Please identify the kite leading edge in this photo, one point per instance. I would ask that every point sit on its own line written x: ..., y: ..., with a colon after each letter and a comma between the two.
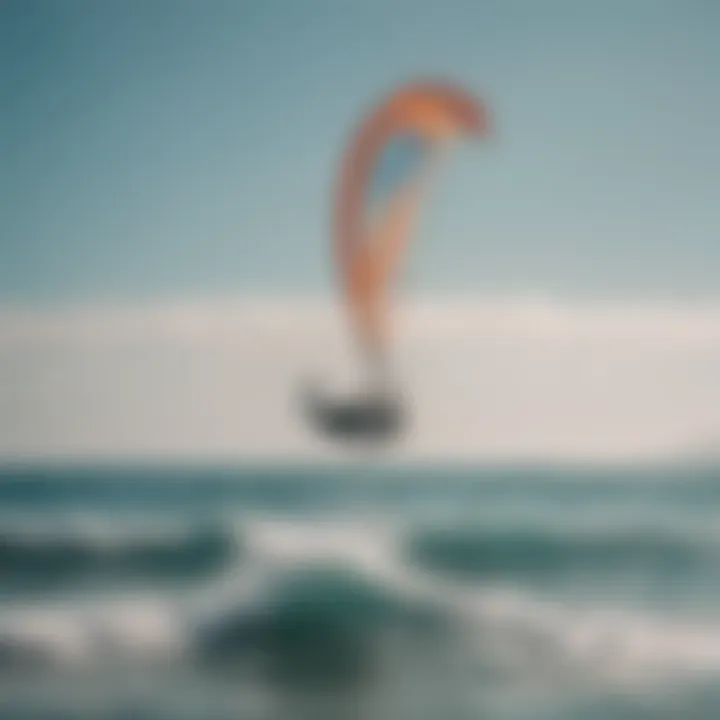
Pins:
x: 384, y: 179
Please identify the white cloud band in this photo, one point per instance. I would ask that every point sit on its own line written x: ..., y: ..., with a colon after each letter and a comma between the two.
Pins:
x: 495, y: 380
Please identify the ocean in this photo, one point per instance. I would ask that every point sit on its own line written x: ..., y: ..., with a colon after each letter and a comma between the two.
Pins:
x: 296, y: 592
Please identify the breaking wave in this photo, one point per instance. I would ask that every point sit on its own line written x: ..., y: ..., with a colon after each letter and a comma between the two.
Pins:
x: 45, y: 559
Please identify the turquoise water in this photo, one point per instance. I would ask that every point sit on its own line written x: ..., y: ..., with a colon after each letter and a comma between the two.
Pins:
x: 290, y: 592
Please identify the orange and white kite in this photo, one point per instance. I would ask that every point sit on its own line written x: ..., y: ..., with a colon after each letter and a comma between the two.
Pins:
x: 383, y: 181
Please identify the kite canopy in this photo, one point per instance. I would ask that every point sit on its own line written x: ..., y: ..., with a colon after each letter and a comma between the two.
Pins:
x: 383, y: 179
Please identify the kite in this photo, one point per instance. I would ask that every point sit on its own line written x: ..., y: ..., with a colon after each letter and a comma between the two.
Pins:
x: 384, y: 180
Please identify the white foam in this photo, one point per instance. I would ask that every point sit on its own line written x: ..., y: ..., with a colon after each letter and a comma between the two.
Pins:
x: 80, y: 633
x: 359, y: 544
x: 606, y: 643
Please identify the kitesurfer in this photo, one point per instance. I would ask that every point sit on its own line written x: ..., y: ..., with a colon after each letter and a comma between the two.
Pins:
x: 373, y: 222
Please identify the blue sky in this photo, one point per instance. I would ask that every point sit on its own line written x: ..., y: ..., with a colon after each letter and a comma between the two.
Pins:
x: 185, y: 149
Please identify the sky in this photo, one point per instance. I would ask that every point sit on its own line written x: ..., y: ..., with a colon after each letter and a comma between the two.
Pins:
x: 172, y: 148
x: 178, y: 157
